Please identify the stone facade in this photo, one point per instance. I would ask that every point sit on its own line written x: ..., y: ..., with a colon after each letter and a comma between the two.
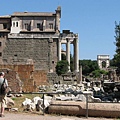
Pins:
x: 30, y: 38
x: 33, y: 38
x: 32, y: 52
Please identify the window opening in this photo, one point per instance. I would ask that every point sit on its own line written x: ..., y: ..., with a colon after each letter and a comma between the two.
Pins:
x: 0, y: 54
x: 0, y: 43
x: 16, y: 24
x: 53, y: 62
x: 41, y: 27
x: 26, y: 26
x: 4, y: 26
x: 15, y: 55
x: 38, y: 25
x: 2, y: 35
x: 13, y: 24
x: 51, y: 25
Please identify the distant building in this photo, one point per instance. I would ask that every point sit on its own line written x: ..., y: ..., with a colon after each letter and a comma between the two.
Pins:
x: 103, y: 61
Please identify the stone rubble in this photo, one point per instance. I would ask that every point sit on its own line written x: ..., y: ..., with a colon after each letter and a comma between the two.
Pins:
x: 75, y: 92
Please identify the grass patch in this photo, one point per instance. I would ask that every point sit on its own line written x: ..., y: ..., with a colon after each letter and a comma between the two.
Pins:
x: 18, y: 100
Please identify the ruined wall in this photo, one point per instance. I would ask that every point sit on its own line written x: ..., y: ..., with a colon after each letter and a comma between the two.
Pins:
x: 31, y: 56
x: 40, y: 77
x: 24, y: 77
x: 53, y: 78
x: 3, y: 37
x: 19, y: 51
x: 31, y: 49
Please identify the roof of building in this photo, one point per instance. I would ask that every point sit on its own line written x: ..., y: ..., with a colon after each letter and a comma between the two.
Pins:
x: 4, y: 30
x: 32, y: 14
x: 5, y: 16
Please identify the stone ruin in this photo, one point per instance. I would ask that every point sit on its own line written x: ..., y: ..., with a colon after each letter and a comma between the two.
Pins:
x: 72, y: 87
x: 71, y: 92
x: 36, y: 81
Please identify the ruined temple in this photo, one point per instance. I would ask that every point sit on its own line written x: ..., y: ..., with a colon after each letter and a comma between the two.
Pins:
x: 33, y: 40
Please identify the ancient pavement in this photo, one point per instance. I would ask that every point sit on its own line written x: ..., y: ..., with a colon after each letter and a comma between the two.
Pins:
x: 24, y: 116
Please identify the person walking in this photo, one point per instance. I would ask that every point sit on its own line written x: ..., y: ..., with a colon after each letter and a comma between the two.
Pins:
x: 2, y: 96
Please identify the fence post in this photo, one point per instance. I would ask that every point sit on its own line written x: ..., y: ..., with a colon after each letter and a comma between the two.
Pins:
x: 43, y: 105
x: 86, y: 105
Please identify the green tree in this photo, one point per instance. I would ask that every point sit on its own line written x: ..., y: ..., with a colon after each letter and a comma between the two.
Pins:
x: 88, y: 66
x: 98, y: 73
x: 116, y: 58
x: 112, y: 63
x: 62, y: 67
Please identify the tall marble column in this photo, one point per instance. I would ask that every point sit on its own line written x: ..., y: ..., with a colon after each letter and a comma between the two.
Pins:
x: 76, y: 59
x: 68, y: 53
x: 59, y: 50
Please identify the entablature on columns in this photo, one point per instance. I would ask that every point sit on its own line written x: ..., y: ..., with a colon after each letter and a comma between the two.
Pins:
x: 103, y: 57
x: 71, y: 36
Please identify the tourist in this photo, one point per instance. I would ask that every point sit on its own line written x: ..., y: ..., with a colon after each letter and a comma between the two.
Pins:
x: 2, y: 96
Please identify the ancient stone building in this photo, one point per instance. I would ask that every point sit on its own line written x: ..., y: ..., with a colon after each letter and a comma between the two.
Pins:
x: 103, y: 61
x: 34, y: 38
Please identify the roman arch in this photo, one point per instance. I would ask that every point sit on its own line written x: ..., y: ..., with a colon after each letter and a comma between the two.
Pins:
x: 103, y: 61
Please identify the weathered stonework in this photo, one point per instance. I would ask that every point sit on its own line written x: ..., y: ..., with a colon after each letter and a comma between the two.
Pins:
x: 30, y: 46
x: 24, y: 77
x: 79, y: 109
x: 19, y: 51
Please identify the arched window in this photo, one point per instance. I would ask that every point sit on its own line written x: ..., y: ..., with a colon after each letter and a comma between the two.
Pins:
x: 16, y: 24
x: 13, y: 24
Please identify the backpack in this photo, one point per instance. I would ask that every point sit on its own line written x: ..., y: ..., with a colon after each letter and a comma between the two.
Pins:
x: 3, y: 90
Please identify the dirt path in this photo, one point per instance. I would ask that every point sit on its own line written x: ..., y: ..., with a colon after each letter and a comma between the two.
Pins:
x: 24, y: 116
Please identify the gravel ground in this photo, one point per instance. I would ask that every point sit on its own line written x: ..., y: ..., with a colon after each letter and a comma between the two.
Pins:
x: 25, y: 116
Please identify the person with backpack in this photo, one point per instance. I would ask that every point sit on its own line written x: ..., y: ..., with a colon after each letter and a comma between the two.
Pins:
x: 3, y: 83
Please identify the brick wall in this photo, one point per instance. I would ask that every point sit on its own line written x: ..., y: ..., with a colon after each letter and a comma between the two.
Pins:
x: 24, y: 76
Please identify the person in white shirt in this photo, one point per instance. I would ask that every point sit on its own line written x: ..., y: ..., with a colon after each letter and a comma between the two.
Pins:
x: 2, y: 97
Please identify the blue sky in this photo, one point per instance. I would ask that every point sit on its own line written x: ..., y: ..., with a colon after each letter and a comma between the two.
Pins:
x: 93, y: 20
